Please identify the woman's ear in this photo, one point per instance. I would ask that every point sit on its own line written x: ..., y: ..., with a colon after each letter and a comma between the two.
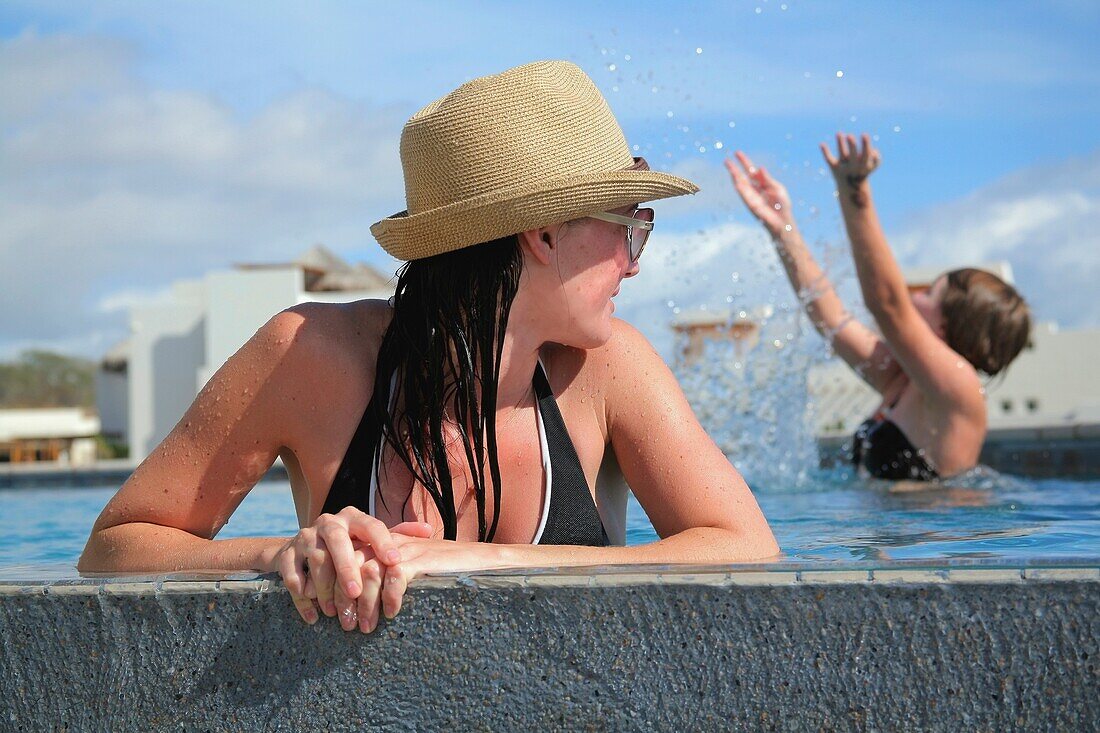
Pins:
x: 539, y: 243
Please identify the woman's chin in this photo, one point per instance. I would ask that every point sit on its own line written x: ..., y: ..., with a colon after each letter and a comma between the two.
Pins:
x: 592, y: 337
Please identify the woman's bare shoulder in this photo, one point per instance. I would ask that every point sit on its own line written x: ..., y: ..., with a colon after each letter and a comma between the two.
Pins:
x: 626, y: 354
x: 329, y: 332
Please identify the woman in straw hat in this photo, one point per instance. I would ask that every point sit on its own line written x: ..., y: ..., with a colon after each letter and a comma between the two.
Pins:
x: 461, y: 425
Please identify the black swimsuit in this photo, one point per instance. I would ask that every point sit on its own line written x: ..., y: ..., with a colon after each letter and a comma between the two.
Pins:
x: 569, y: 515
x: 879, y: 446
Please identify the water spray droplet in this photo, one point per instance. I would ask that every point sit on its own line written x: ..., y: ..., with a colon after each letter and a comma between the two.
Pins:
x: 839, y: 74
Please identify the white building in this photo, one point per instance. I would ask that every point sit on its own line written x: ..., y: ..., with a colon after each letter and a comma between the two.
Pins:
x: 51, y: 434
x: 175, y: 346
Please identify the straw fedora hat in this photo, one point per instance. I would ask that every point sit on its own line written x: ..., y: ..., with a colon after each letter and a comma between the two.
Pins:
x: 532, y: 146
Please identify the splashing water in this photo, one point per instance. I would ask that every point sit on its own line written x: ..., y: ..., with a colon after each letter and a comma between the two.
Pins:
x: 750, y: 393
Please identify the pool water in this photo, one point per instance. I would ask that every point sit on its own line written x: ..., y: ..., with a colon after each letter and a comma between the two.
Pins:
x: 833, y: 519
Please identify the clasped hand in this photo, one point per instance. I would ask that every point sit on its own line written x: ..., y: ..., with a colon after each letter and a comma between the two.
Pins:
x: 352, y: 566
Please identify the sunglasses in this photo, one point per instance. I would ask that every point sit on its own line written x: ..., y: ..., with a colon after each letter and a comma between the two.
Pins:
x: 637, y: 226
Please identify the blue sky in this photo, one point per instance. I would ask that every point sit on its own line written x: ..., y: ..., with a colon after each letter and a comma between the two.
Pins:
x: 144, y: 142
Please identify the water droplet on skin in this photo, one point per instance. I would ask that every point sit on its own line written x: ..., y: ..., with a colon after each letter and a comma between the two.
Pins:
x: 787, y: 227
x: 778, y: 206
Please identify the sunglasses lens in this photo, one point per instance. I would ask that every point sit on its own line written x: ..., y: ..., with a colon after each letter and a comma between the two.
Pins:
x: 639, y: 235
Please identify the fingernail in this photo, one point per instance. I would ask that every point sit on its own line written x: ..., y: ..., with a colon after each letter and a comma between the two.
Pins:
x: 311, y: 617
x: 352, y: 589
x: 393, y: 557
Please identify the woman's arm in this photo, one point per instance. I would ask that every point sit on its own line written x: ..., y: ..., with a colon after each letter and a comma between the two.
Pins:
x: 768, y: 200
x: 165, y: 516
x: 922, y: 354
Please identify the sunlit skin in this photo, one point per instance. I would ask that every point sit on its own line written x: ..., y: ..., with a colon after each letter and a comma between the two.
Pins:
x: 937, y: 396
x: 298, y: 388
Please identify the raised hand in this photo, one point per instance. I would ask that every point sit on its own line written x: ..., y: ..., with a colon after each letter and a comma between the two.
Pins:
x: 852, y: 165
x: 765, y: 197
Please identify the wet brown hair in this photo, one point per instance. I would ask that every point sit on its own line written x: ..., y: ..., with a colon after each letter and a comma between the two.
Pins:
x: 985, y: 319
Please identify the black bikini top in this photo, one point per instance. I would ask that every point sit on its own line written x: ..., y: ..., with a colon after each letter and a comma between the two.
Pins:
x: 879, y: 446
x: 569, y: 515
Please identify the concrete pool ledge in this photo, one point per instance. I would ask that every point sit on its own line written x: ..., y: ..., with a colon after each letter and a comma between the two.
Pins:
x: 780, y: 647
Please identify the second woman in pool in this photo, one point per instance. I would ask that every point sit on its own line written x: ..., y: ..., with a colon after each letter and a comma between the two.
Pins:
x: 930, y: 348
x: 461, y: 425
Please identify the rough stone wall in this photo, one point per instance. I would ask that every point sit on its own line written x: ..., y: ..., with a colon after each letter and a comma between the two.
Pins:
x: 561, y: 653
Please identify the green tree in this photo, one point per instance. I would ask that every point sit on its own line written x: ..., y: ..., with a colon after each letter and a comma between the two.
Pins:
x: 47, y: 379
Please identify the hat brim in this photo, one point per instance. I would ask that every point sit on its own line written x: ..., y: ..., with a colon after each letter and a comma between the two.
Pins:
x: 510, y: 211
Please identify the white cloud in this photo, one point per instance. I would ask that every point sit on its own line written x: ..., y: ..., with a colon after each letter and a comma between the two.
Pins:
x: 113, y: 187
x: 121, y: 301
x: 1043, y: 220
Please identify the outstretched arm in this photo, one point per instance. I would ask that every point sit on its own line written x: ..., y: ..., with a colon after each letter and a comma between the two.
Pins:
x: 769, y: 202
x: 923, y: 355
x: 880, y: 278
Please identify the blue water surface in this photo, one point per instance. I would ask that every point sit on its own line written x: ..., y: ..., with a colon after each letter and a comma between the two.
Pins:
x: 832, y: 519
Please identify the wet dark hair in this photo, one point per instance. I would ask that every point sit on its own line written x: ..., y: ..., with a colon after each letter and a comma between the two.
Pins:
x: 442, y: 347
x: 985, y: 319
